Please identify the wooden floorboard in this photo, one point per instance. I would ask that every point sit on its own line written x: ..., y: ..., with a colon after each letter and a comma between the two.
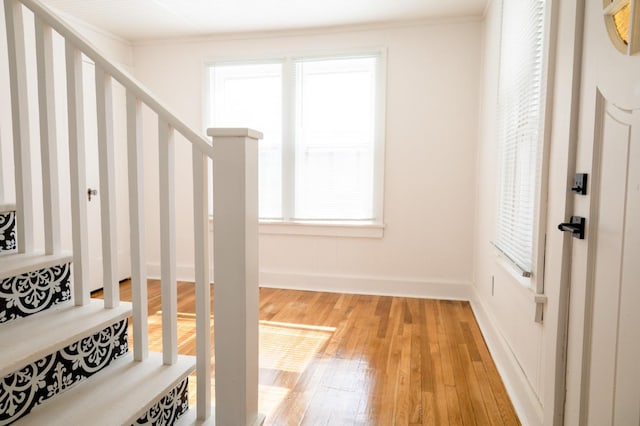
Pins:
x: 342, y: 359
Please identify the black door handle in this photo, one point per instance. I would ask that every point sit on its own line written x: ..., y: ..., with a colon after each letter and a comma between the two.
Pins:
x: 575, y: 226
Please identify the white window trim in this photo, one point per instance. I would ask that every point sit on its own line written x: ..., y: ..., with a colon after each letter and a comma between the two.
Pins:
x: 536, y: 281
x: 337, y: 228
x: 341, y: 229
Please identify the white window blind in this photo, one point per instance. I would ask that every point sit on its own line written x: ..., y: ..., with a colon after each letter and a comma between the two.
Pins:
x: 321, y: 123
x: 519, y: 109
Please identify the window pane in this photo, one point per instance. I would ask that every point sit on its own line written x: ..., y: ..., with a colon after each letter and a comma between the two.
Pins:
x: 621, y: 21
x: 335, y: 112
x: 250, y: 95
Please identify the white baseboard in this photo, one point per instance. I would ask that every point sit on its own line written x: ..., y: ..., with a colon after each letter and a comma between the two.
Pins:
x: 527, y: 405
x: 430, y: 289
x: 183, y: 272
x: 354, y: 284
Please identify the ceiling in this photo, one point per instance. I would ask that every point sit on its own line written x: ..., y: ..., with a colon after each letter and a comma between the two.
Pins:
x: 138, y: 20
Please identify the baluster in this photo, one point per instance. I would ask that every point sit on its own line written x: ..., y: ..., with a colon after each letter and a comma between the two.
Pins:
x: 235, y: 188
x: 77, y: 175
x: 203, y: 288
x: 20, y: 122
x: 167, y: 243
x: 48, y: 138
x: 104, y: 108
x: 136, y: 224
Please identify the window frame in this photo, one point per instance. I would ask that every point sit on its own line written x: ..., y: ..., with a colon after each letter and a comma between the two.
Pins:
x: 288, y: 225
x: 609, y: 9
x: 534, y: 280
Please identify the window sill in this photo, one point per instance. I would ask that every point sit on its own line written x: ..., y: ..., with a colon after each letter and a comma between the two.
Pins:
x: 325, y: 229
x: 321, y: 229
x: 525, y: 283
x: 512, y: 270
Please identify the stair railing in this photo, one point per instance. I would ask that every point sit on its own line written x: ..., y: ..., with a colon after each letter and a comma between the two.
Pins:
x: 235, y: 227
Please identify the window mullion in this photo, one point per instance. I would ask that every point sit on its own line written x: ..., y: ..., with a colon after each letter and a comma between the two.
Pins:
x: 288, y: 138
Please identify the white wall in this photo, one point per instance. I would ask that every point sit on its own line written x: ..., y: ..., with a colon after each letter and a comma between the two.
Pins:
x: 530, y: 356
x: 115, y: 49
x: 499, y: 291
x: 432, y: 100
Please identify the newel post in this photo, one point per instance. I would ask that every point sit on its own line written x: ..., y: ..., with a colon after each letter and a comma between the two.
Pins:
x: 235, y: 236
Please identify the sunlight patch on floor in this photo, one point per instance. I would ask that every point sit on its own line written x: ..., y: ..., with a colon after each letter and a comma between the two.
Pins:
x: 286, y: 350
x: 290, y: 347
x: 270, y: 397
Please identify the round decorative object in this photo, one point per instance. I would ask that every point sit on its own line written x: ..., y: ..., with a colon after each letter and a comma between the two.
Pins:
x: 621, y: 19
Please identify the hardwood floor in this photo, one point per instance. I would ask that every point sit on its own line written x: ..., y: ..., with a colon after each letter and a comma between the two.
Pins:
x: 342, y: 359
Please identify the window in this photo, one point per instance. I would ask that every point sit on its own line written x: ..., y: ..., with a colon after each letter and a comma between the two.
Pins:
x: 620, y: 17
x: 621, y: 22
x: 320, y: 159
x: 520, y: 111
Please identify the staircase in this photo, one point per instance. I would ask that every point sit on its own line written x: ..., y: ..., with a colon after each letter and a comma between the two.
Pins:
x: 65, y: 357
x: 7, y: 228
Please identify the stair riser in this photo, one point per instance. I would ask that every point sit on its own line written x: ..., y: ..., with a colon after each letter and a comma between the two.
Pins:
x: 169, y: 409
x: 34, y: 292
x: 7, y: 232
x: 21, y: 391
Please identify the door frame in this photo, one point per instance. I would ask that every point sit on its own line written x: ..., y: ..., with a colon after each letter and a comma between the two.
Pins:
x: 567, y: 29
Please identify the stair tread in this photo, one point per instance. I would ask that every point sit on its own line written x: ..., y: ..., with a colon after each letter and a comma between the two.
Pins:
x: 7, y: 207
x: 28, y: 339
x: 190, y: 418
x: 20, y: 263
x: 117, y: 395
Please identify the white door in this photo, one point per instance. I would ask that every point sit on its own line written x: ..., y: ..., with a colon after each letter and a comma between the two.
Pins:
x: 93, y: 176
x: 604, y: 333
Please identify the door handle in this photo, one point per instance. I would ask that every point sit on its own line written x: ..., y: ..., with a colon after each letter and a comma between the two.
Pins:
x: 91, y: 192
x: 576, y: 226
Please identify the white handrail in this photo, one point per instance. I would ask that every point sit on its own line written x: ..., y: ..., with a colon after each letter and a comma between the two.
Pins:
x: 77, y: 40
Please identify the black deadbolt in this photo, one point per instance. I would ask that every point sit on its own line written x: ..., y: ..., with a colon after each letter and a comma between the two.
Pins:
x: 580, y: 184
